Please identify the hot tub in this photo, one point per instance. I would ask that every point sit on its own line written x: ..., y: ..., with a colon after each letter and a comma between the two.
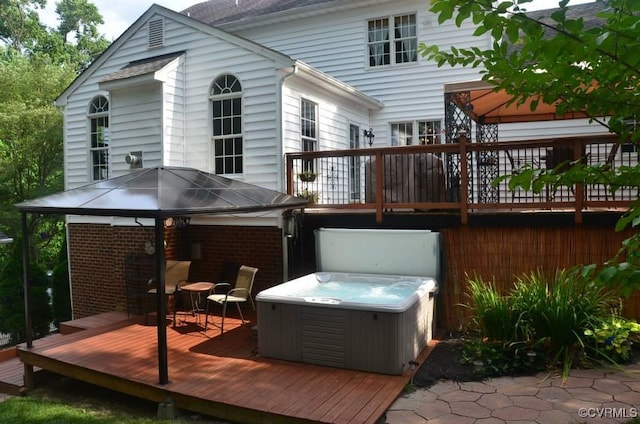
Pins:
x: 369, y: 322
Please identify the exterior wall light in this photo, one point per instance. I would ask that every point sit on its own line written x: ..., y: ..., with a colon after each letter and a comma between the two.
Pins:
x: 369, y: 135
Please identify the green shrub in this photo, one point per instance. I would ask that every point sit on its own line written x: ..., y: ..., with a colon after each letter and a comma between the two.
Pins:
x: 573, y: 304
x: 493, y: 358
x: 529, y: 297
x: 491, y: 312
x: 540, y: 318
x: 612, y: 337
x: 12, y: 313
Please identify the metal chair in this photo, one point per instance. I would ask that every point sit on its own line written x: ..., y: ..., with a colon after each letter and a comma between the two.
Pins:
x: 176, y: 273
x: 240, y: 293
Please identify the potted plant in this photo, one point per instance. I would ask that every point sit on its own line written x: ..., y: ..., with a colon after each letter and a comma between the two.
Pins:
x: 307, y: 176
x: 311, y: 196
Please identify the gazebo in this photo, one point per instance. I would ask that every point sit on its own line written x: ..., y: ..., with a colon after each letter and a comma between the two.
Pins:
x: 475, y: 109
x: 157, y: 193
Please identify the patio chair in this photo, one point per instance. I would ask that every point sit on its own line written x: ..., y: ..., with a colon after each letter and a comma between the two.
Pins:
x: 176, y: 273
x: 240, y: 293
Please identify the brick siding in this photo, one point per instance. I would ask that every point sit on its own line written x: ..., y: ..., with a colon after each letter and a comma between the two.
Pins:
x: 98, y: 252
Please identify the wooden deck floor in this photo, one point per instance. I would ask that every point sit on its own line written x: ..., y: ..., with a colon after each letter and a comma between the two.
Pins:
x: 220, y: 377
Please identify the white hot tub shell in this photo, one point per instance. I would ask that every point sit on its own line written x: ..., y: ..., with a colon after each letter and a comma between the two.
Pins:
x: 380, y: 336
x: 339, y: 330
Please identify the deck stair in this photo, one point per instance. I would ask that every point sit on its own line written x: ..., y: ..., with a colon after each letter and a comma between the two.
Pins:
x: 12, y: 369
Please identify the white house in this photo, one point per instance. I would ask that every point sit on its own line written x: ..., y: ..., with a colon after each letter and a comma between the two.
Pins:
x: 229, y: 87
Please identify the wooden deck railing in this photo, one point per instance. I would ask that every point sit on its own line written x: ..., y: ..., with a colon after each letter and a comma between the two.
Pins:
x: 456, y: 176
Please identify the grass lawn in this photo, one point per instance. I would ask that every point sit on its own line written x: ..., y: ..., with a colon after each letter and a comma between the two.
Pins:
x: 63, y: 400
x: 58, y: 399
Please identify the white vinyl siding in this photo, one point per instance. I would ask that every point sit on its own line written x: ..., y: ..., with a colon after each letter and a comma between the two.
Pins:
x: 334, y: 116
x: 337, y: 44
x: 158, y: 116
x: 136, y: 125
x: 261, y: 144
x: 173, y: 120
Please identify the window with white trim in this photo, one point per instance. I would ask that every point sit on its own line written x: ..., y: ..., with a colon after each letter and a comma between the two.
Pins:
x: 429, y: 132
x: 226, y: 110
x: 308, y: 131
x: 99, y: 138
x: 392, y: 40
x: 415, y: 132
x: 402, y: 134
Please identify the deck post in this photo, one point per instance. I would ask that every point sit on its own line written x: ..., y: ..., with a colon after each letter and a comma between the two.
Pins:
x: 289, y: 174
x: 28, y: 377
x: 464, y: 180
x: 579, y: 187
x: 379, y: 185
x: 167, y: 410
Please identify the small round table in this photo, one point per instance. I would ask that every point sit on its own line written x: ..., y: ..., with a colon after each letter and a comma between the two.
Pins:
x: 195, y: 293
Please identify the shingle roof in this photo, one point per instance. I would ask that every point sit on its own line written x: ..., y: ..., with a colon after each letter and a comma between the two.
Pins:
x: 142, y: 67
x: 217, y: 12
x: 586, y: 11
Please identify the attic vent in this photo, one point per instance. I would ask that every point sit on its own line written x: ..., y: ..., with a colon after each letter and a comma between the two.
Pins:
x: 156, y: 33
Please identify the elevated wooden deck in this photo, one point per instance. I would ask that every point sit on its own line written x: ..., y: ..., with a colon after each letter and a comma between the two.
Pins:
x: 219, y: 377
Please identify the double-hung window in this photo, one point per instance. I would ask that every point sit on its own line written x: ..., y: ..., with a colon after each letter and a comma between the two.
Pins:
x: 226, y: 107
x: 308, y: 131
x: 99, y: 138
x: 415, y: 132
x: 392, y: 40
x: 429, y: 132
x: 402, y: 134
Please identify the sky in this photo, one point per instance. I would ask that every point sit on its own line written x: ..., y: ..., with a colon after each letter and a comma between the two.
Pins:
x: 120, y: 14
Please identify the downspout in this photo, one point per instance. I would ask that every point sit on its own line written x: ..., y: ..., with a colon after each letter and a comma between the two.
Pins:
x: 184, y: 111
x: 280, y: 176
x: 280, y: 132
x: 63, y: 110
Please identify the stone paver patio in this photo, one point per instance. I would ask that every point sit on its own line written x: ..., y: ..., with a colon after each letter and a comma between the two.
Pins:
x: 599, y: 396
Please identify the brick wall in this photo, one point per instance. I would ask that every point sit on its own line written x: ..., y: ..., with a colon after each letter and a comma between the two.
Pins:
x: 98, y: 252
x: 260, y: 247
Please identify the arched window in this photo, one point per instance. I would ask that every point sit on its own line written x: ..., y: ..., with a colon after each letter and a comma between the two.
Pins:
x: 99, y: 138
x: 226, y: 108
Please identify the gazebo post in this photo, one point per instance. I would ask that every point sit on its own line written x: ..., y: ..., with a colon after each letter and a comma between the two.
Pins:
x: 25, y: 281
x: 28, y: 369
x: 163, y: 364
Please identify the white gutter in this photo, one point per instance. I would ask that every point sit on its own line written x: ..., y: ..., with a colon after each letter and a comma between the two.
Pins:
x: 337, y: 87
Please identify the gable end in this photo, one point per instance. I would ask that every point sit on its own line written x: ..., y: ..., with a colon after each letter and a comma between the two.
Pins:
x: 155, y: 33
